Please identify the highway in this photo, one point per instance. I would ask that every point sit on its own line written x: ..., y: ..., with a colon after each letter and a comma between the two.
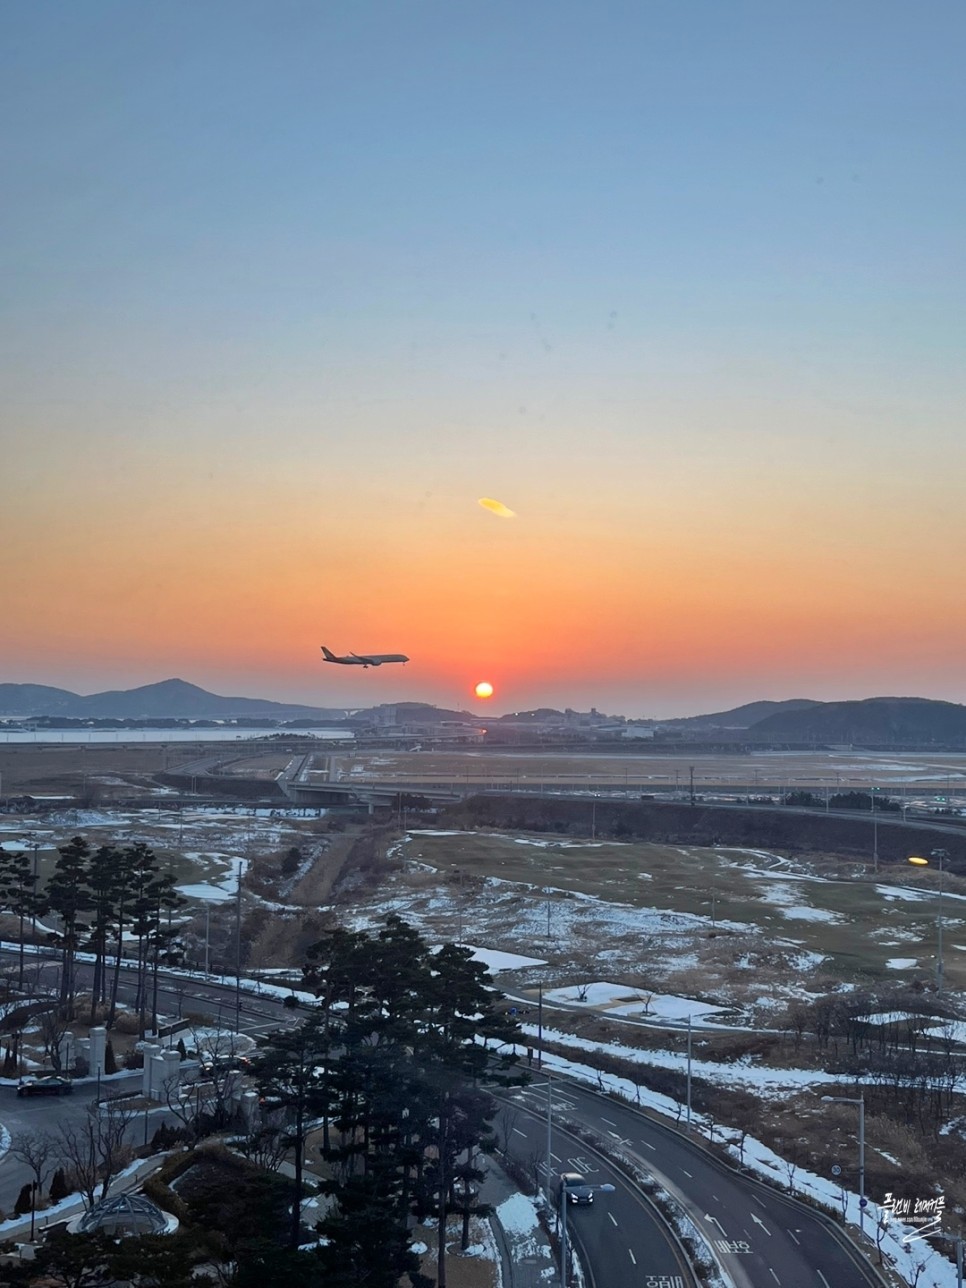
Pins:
x: 759, y: 1238
x: 622, y: 1238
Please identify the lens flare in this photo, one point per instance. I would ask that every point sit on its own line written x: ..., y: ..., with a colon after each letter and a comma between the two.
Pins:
x: 497, y: 507
x: 484, y: 689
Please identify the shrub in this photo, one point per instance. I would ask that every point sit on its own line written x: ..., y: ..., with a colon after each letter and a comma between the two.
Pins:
x: 59, y: 1189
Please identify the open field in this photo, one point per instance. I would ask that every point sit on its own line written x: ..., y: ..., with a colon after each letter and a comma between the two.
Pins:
x: 655, y: 912
x: 734, y: 924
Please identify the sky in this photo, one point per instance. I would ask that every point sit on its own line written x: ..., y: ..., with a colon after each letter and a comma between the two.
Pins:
x: 289, y: 287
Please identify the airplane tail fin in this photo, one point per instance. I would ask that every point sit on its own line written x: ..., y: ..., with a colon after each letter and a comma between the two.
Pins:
x: 329, y: 657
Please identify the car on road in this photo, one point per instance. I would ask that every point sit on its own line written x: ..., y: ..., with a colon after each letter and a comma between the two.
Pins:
x: 55, y: 1085
x: 225, y: 1064
x: 577, y: 1188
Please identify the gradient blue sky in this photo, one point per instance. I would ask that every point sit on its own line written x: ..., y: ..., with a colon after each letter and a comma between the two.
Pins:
x: 288, y: 286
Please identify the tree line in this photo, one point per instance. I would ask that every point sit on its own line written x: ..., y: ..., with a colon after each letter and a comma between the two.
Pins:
x: 99, y: 897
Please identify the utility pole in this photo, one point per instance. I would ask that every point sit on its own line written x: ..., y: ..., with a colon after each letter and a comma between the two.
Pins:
x: 238, y: 951
x: 688, y: 1119
x: 691, y: 772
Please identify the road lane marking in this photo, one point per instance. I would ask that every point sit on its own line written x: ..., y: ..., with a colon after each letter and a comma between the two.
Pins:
x: 611, y: 1215
x: 520, y: 1133
x: 792, y: 1233
x: 607, y: 1121
x: 758, y: 1221
x: 773, y: 1275
x: 687, y: 1174
x: 822, y: 1277
x: 632, y: 1257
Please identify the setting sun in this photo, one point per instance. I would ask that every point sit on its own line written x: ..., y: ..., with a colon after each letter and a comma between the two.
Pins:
x: 484, y: 689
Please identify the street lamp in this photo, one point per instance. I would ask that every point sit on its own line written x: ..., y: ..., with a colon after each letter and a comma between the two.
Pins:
x: 606, y: 1188
x: 940, y: 856
x: 851, y: 1100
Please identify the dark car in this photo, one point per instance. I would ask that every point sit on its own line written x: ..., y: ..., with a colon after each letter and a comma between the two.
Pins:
x: 226, y: 1064
x: 577, y: 1188
x: 52, y: 1086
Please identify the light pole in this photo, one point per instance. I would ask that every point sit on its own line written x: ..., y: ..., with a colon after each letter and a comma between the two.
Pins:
x: 607, y: 1188
x: 875, y: 830
x: 851, y: 1100
x: 688, y: 1120
x: 940, y: 856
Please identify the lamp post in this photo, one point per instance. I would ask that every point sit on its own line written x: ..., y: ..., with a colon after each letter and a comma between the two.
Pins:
x: 875, y: 831
x: 851, y: 1100
x: 688, y: 1121
x: 940, y: 856
x: 607, y: 1188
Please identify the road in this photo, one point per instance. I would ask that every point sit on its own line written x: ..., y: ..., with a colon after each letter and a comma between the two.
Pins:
x: 259, y: 1015
x: 622, y: 1238
x: 759, y: 1238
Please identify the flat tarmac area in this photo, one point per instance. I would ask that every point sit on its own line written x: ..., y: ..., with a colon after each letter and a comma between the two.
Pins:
x: 118, y: 770
x: 912, y: 774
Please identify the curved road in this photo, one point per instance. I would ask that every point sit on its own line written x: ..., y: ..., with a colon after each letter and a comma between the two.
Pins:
x: 760, y: 1238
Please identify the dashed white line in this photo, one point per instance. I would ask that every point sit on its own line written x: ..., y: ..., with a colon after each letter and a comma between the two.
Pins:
x: 773, y: 1275
x: 607, y: 1121
x: 632, y: 1257
x: 611, y: 1215
x: 520, y: 1133
x: 792, y: 1233
x: 822, y: 1277
x: 687, y: 1174
x: 649, y: 1145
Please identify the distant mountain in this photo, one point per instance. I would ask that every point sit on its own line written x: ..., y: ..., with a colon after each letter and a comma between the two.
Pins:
x: 34, y: 700
x: 167, y: 700
x: 873, y: 721
x: 744, y: 717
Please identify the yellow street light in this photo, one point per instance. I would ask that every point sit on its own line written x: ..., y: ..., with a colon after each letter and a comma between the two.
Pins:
x: 940, y: 856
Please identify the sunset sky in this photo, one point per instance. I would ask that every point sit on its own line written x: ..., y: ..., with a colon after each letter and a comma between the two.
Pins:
x: 289, y: 286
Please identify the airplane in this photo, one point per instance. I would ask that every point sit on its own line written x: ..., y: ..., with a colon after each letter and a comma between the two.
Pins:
x: 364, y: 659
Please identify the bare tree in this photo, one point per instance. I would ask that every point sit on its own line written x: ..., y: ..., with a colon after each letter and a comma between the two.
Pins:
x: 266, y: 1143
x: 39, y: 1151
x: 54, y: 1026
x: 503, y: 1125
x: 97, y: 1148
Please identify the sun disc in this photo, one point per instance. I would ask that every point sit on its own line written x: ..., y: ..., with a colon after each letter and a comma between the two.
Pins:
x: 484, y: 689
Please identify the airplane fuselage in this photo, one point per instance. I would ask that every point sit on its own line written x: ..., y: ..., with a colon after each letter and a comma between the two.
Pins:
x: 363, y: 659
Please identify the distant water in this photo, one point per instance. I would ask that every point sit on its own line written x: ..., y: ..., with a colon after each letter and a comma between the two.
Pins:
x: 126, y: 736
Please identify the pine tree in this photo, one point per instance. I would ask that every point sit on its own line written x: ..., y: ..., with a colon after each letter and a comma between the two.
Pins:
x: 103, y: 882
x: 68, y: 897
x: 24, y: 1200
x: 18, y: 892
x: 403, y: 1092
x: 110, y: 1060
